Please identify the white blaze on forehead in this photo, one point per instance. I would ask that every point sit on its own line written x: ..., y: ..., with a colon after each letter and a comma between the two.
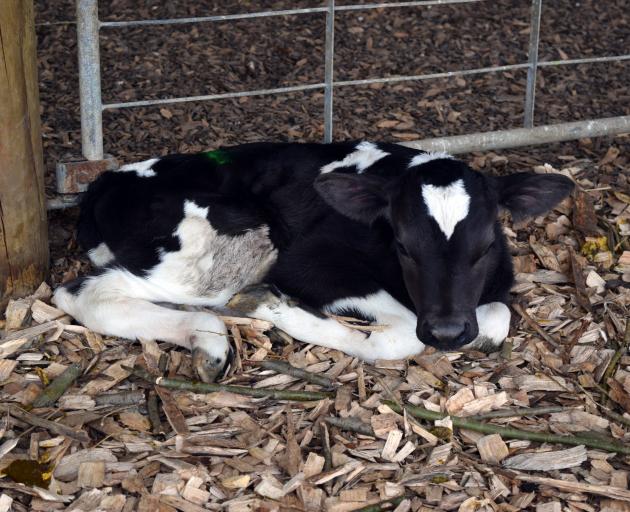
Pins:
x: 142, y: 169
x: 423, y: 158
x: 447, y: 205
x: 366, y: 154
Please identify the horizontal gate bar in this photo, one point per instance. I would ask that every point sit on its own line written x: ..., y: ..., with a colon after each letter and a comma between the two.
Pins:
x: 391, y: 79
x: 207, y: 97
x: 482, y: 142
x: 284, y: 12
x: 518, y: 137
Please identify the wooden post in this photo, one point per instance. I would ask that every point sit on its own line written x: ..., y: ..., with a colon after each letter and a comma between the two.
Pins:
x: 23, y: 229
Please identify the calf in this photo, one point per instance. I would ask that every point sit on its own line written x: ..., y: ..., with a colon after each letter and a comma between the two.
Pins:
x: 405, y: 239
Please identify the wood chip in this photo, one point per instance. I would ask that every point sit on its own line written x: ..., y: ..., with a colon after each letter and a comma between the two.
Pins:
x: 5, y: 503
x: 236, y: 482
x: 68, y: 468
x: 91, y: 474
x: 456, y: 403
x: 314, y: 465
x: 383, y: 424
x: 547, y: 461
x: 391, y: 445
x: 492, y: 448
x: 111, y: 376
x: 16, y: 313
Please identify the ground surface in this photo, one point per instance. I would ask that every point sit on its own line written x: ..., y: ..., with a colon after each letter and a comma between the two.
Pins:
x: 224, y: 451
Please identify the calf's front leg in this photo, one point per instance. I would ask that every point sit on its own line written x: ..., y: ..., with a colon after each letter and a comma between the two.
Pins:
x: 493, y: 320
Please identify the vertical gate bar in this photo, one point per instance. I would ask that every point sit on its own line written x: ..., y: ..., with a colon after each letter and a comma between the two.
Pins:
x: 328, y: 71
x: 534, y: 37
x: 90, y: 80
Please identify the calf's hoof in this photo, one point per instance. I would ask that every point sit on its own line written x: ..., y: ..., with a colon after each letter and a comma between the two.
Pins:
x: 208, y: 359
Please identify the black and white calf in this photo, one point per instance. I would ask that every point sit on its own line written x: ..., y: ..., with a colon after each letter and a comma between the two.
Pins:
x: 406, y: 239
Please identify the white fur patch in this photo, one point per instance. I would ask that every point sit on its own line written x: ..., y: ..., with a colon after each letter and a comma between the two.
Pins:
x: 447, y: 205
x: 423, y: 158
x: 366, y: 154
x: 493, y: 320
x: 398, y: 338
x: 101, y: 255
x: 142, y: 169
x: 309, y: 328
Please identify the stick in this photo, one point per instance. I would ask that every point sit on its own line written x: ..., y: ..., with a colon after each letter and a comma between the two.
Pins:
x: 609, y: 491
x: 519, y: 411
x: 532, y: 323
x: 352, y: 424
x: 55, y: 428
x: 512, y: 433
x: 288, y: 369
x: 202, y: 387
x: 356, y: 425
x: 51, y: 393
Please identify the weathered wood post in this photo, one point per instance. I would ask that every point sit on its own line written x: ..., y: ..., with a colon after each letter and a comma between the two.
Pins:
x: 23, y: 229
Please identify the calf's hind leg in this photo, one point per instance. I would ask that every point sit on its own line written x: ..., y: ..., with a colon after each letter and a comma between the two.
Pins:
x: 113, y: 303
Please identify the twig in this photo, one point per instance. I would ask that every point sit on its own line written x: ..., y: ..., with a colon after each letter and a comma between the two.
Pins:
x: 288, y: 369
x: 614, y: 416
x: 154, y: 413
x: 383, y: 505
x: 518, y: 412
x: 608, y: 491
x: 55, y: 428
x: 202, y: 387
x: 323, y: 429
x: 51, y: 393
x: 534, y: 325
x: 512, y: 433
x: 352, y: 424
x: 610, y: 369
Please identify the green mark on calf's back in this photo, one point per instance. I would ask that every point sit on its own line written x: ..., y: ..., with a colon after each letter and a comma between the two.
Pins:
x: 218, y: 156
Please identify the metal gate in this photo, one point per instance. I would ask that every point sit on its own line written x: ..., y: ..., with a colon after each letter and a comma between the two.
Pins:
x: 92, y: 107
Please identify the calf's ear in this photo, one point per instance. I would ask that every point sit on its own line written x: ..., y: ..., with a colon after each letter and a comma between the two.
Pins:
x: 356, y: 196
x: 527, y: 194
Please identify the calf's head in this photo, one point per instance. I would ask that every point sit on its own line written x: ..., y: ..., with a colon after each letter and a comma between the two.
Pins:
x: 447, y: 238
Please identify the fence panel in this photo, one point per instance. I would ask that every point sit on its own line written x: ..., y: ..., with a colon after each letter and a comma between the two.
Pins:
x: 88, y: 26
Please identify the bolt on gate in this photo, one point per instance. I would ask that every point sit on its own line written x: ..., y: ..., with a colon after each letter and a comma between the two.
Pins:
x: 74, y: 177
